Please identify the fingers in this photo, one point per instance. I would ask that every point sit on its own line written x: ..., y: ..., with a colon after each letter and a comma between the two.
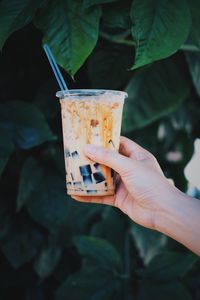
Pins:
x: 108, y: 157
x: 108, y: 200
x: 132, y: 149
x: 120, y: 162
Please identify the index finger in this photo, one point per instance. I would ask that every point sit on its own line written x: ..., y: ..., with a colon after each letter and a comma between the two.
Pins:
x: 131, y: 149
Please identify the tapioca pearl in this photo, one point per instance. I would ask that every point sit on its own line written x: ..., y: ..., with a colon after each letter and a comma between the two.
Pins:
x: 85, y: 170
x: 77, y: 183
x: 75, y: 154
x: 91, y: 191
x: 97, y: 166
x: 87, y: 179
x: 98, y: 177
x: 67, y: 153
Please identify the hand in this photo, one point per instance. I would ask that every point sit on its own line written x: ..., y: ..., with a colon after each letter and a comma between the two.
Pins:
x: 142, y: 189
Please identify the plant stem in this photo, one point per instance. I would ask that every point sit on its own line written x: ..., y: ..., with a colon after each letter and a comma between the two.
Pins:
x: 191, y: 48
x: 119, y: 39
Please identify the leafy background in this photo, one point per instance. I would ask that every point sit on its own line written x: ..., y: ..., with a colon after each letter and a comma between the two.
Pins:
x: 52, y: 247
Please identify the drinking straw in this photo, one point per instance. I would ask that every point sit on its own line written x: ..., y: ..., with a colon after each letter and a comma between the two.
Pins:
x: 55, y: 68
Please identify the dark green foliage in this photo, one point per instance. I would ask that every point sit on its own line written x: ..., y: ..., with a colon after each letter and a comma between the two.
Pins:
x: 69, y: 28
x: 169, y: 266
x: 98, y: 251
x: 159, y: 93
x: 90, y: 283
x: 148, y: 242
x: 52, y: 247
x: 174, y: 290
x: 15, y: 15
x: 20, y: 246
x: 159, y: 28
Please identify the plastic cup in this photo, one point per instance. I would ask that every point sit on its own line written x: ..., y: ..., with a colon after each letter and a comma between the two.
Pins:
x: 90, y: 117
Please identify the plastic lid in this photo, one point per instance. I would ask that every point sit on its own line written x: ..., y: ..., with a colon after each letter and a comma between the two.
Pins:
x: 88, y: 92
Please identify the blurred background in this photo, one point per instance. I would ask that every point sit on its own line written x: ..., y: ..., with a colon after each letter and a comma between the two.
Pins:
x: 52, y: 247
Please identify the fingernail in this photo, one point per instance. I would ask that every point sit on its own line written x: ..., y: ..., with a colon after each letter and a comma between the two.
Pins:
x: 90, y: 149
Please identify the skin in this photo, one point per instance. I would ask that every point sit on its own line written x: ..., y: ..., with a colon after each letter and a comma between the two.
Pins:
x: 146, y: 195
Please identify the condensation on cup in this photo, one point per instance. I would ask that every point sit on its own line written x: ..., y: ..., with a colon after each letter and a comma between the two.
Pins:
x: 90, y: 117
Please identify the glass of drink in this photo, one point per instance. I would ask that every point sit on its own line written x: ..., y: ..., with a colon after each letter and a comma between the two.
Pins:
x: 90, y: 117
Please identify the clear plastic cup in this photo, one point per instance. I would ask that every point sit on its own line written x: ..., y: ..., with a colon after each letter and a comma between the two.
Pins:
x: 90, y: 117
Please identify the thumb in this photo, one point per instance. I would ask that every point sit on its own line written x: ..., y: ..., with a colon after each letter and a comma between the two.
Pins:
x: 108, y: 157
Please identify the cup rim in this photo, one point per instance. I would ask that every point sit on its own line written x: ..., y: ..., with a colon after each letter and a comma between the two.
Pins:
x: 88, y: 92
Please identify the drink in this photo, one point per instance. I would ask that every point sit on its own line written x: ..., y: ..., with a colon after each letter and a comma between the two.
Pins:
x: 90, y: 117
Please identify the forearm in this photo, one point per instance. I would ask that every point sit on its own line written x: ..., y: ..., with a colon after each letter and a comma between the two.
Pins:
x: 180, y: 220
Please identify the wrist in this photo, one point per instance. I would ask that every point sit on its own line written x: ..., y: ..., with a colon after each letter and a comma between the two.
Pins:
x: 171, y: 210
x: 179, y: 219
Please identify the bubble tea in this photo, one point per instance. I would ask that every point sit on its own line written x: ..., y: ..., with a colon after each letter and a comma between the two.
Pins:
x: 90, y: 117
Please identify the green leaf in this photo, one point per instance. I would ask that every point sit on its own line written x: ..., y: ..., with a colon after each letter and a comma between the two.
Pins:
x: 90, y: 284
x: 14, y: 15
x: 154, y: 93
x: 98, y: 250
x: 46, y: 199
x: 53, y: 154
x: 164, y: 291
x: 112, y: 227
x: 27, y: 186
x: 117, y: 15
x: 169, y: 266
x: 159, y: 28
x: 81, y: 216
x: 25, y: 124
x: 21, y: 245
x: 70, y: 30
x: 193, y: 60
x: 44, y: 194
x: 195, y: 13
x: 48, y: 258
x: 111, y: 59
x: 6, y: 148
x: 148, y: 242
x: 89, y: 3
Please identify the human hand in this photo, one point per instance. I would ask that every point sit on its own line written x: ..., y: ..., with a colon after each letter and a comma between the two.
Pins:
x: 142, y: 189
